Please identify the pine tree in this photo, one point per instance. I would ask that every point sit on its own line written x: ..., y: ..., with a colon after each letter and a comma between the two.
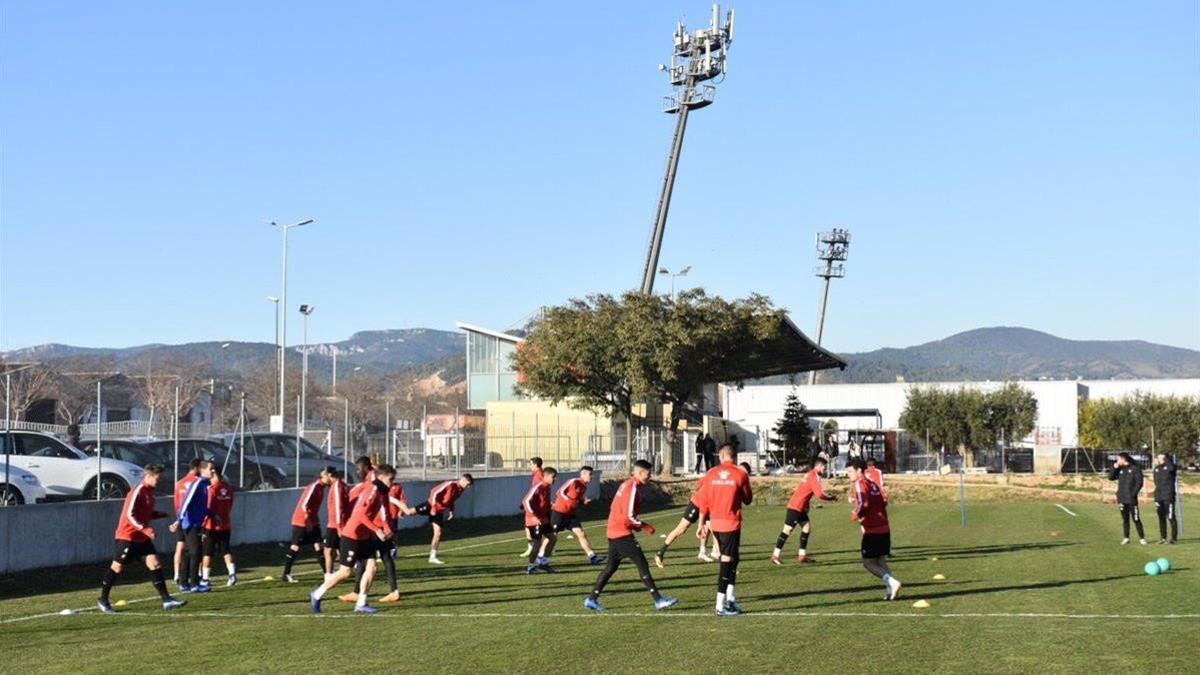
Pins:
x: 793, y: 431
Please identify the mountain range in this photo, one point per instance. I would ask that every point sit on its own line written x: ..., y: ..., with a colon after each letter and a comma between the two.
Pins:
x: 981, y: 354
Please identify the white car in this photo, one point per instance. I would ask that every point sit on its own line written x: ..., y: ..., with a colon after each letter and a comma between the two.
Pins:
x: 21, y: 486
x: 65, y: 471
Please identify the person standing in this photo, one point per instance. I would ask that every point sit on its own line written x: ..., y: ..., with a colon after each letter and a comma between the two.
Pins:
x: 1129, y: 485
x: 366, y: 529
x: 697, y: 505
x: 564, y: 515
x: 699, y: 453
x: 536, y: 506
x: 728, y: 488
x: 135, y: 539
x: 623, y: 524
x: 181, y: 489
x: 337, y: 510
x: 870, y: 512
x: 1164, y: 498
x: 189, y: 519
x: 710, y: 452
x: 797, y: 511
x: 218, y: 528
x: 535, y: 477
x: 306, y: 525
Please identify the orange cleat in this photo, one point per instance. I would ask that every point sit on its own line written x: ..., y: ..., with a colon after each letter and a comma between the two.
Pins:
x: 390, y: 598
x: 349, y: 597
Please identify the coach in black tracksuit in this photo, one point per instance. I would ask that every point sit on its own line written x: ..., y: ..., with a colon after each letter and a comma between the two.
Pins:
x: 1164, y: 498
x: 1129, y: 484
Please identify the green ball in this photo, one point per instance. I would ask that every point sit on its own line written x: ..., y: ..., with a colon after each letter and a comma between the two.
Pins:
x: 1152, y: 569
x: 1164, y: 565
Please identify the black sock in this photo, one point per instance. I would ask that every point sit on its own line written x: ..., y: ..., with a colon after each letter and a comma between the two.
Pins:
x: 804, y: 540
x: 663, y: 552
x: 391, y: 570
x: 291, y: 558
x: 723, y: 581
x: 160, y: 584
x: 110, y: 578
x: 781, y: 541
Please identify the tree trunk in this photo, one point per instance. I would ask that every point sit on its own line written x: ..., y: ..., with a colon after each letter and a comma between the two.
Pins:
x: 629, y: 441
x: 668, y: 464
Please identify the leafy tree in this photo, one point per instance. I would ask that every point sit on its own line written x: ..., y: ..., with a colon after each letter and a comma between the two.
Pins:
x: 1010, y: 413
x: 968, y: 418
x: 1127, y: 423
x: 793, y: 431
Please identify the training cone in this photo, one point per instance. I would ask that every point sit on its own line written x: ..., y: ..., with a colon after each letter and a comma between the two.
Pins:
x: 1164, y: 565
x: 921, y: 604
x: 934, y: 558
x: 120, y: 603
x: 1152, y: 569
x: 268, y: 578
x: 939, y: 577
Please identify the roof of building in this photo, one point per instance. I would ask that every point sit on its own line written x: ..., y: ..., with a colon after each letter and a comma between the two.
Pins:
x: 472, y: 328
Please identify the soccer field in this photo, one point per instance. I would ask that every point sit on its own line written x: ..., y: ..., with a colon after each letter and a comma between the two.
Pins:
x: 1029, y: 585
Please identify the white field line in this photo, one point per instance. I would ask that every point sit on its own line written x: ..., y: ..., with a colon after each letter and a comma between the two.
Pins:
x: 1069, y: 511
x: 663, y: 615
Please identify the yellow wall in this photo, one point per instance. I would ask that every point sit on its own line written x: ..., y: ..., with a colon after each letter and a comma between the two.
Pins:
x: 518, y: 430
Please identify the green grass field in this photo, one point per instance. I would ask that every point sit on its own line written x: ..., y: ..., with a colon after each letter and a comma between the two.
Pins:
x: 1028, y: 587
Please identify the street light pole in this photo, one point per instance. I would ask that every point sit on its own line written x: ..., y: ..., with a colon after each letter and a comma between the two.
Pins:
x: 681, y: 273
x: 305, y: 310
x: 283, y: 314
x: 275, y: 300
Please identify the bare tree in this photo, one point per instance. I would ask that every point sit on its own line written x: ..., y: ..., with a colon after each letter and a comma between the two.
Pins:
x: 29, y: 383
x: 74, y: 386
x: 157, y: 382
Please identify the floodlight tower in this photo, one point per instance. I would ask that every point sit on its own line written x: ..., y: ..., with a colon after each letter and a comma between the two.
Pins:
x: 697, y: 58
x: 832, y: 248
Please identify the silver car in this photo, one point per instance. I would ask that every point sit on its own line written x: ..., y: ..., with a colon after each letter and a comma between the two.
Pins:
x: 281, y: 452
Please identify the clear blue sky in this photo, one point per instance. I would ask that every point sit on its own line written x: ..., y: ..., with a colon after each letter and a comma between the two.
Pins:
x: 1008, y: 163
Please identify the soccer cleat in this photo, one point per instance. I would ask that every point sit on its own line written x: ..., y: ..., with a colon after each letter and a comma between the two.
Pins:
x: 660, y: 560
x: 598, y: 559
x: 775, y: 559
x: 1161, y: 542
x: 531, y: 569
x: 593, y: 605
x: 290, y: 579
x: 349, y: 597
x: 315, y: 603
x: 171, y: 603
x: 365, y: 609
x: 1171, y: 543
x: 202, y: 588
x: 184, y: 588
x: 394, y: 596
x: 893, y: 591
x: 544, y: 565
x: 732, y: 604
x: 704, y: 557
x: 1125, y: 541
x: 665, y: 603
x: 232, y: 580
x: 729, y: 610
x: 433, y: 560
x: 105, y: 608
x: 1143, y: 542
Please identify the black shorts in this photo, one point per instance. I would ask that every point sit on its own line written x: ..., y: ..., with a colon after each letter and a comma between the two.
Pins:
x: 351, y: 551
x: 561, y: 521
x: 127, y: 551
x: 332, y: 540
x: 876, y: 545
x: 537, y: 531
x: 691, y: 513
x: 625, y: 548
x: 440, y: 519
x: 794, y: 517
x: 215, y: 542
x: 303, y: 536
x: 422, y: 509
x: 180, y: 537
x: 730, y: 543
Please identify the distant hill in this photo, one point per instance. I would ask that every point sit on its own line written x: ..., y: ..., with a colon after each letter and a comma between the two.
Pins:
x: 1018, y: 353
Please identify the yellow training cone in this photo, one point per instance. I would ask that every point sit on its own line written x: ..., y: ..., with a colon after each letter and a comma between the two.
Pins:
x: 120, y: 603
x: 933, y: 558
x: 921, y: 604
x: 939, y: 577
x: 268, y: 578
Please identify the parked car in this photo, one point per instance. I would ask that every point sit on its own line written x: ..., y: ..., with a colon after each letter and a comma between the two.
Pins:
x: 22, y: 487
x: 259, y: 475
x: 279, y: 451
x: 67, y: 472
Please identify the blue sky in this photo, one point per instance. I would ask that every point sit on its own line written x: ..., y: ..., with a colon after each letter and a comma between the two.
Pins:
x: 1015, y: 163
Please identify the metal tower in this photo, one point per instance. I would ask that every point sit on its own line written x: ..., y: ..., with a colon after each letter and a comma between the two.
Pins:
x: 697, y: 58
x: 832, y: 248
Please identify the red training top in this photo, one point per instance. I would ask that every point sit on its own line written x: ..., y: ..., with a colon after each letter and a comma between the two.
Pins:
x: 623, y: 513
x: 358, y: 488
x: 136, y: 515
x: 305, y: 514
x: 443, y: 496
x: 181, y: 489
x: 537, y: 505
x: 337, y: 505
x: 369, y: 515
x: 220, y: 503
x: 536, y: 476
x: 570, y: 496
x: 727, y: 489
x: 870, y: 508
x: 806, y: 490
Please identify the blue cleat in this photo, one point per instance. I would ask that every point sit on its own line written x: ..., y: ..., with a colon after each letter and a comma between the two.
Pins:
x: 544, y: 565
x: 202, y: 588
x: 593, y: 605
x: 664, y: 603
x: 736, y: 608
x: 172, y: 603
x: 597, y: 559
x: 729, y: 610
x: 105, y: 608
x: 232, y: 580
x: 365, y: 609
x: 184, y: 588
x: 315, y: 603
x: 531, y: 569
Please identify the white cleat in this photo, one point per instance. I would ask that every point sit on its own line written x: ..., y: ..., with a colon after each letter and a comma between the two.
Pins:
x: 1125, y: 541
x: 893, y: 591
x: 433, y: 560
x: 703, y: 557
x: 1143, y: 542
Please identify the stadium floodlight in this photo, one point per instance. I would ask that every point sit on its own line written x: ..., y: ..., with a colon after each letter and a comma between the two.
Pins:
x: 283, y: 314
x: 306, y: 311
x: 681, y: 273
x: 833, y: 247
x: 696, y: 58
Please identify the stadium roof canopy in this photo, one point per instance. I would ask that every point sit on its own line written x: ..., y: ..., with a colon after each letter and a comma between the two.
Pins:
x: 790, y: 352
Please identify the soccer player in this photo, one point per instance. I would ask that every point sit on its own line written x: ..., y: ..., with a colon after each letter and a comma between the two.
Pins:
x: 568, y: 499
x: 797, y: 511
x: 365, y: 531
x: 397, y: 507
x: 189, y: 519
x: 873, y: 473
x: 337, y: 509
x: 366, y: 476
x: 135, y: 539
x: 1164, y: 498
x: 536, y: 506
x: 218, y: 528
x: 440, y: 508
x: 306, y: 526
x: 181, y: 489
x: 535, y: 477
x: 623, y: 522
x: 728, y: 487
x: 1129, y: 484
x: 870, y: 512
x: 697, y: 505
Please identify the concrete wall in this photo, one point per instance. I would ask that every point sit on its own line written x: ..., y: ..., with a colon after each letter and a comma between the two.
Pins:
x: 48, y: 535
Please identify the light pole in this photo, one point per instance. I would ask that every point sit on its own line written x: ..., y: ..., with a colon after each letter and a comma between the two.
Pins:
x: 283, y: 315
x: 305, y: 310
x: 681, y: 273
x: 832, y: 249
x: 275, y: 301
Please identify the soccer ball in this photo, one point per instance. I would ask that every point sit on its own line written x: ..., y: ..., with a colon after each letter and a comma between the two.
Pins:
x: 1164, y: 565
x: 1152, y: 568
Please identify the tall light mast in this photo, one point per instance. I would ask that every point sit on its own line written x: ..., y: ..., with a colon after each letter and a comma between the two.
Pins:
x: 833, y: 247
x: 697, y: 58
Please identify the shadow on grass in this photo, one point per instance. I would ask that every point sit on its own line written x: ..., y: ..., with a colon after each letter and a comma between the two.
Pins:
x: 952, y: 593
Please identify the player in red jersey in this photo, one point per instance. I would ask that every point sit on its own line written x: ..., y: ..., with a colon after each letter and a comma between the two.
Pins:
x: 563, y: 515
x: 697, y: 506
x: 440, y: 508
x: 306, y: 524
x: 535, y: 477
x: 181, y: 490
x: 397, y: 508
x: 797, y: 510
x: 728, y: 487
x: 364, y: 533
x: 536, y: 506
x: 218, y: 530
x: 337, y: 510
x: 135, y: 539
x: 870, y: 512
x: 366, y: 476
x: 623, y: 522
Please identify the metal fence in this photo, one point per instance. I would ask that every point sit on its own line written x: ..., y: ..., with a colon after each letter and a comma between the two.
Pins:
x: 1091, y: 460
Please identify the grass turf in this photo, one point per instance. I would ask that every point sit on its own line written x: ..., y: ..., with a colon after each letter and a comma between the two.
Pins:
x: 1028, y: 587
